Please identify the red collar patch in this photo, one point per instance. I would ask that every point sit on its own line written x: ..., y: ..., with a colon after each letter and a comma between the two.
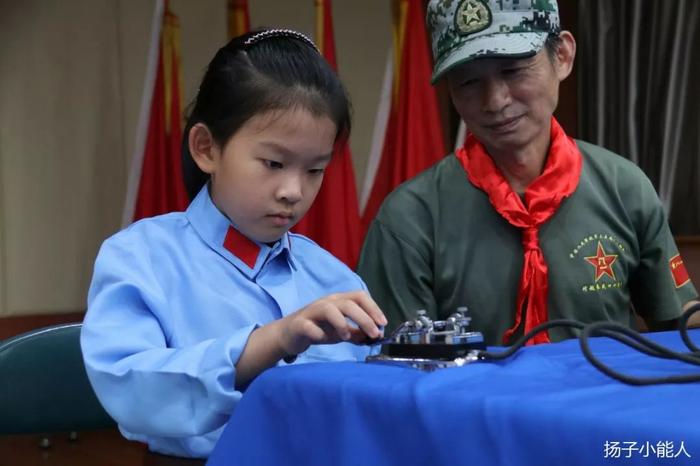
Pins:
x: 242, y: 247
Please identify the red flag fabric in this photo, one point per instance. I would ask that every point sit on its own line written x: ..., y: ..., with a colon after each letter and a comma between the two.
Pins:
x: 160, y: 186
x: 238, y: 18
x: 333, y: 221
x: 413, y: 140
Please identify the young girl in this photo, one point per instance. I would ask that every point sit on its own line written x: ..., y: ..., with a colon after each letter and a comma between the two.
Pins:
x: 185, y: 309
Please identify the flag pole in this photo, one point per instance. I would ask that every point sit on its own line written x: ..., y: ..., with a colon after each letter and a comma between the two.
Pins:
x: 132, y: 187
x: 380, y: 122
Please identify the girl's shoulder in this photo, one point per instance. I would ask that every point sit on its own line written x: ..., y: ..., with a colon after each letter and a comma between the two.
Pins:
x: 305, y: 246
x: 150, y: 231
x: 309, y: 253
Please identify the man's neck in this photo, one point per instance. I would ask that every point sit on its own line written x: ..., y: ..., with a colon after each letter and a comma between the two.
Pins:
x: 521, y: 167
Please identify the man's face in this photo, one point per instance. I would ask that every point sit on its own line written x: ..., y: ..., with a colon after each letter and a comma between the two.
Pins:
x: 507, y: 103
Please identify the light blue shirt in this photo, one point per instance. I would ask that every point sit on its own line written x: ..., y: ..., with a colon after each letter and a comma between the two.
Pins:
x: 170, y: 309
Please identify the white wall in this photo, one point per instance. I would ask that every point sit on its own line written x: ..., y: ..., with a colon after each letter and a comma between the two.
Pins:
x: 71, y: 78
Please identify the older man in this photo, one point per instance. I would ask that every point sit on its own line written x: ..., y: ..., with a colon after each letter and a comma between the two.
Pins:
x: 523, y: 224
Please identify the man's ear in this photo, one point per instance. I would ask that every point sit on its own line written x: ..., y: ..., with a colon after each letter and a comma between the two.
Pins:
x: 204, y: 150
x: 566, y: 52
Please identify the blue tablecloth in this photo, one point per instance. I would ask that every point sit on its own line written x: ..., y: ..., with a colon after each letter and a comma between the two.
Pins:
x: 545, y: 406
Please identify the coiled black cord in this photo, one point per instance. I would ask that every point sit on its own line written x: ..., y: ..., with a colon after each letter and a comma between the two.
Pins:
x: 623, y: 335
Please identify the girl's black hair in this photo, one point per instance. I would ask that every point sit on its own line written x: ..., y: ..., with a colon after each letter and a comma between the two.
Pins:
x: 255, y: 73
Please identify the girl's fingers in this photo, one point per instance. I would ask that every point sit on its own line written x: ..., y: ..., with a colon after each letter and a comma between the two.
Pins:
x: 359, y: 337
x: 337, y: 327
x: 312, y: 331
x: 328, y: 318
x: 371, y: 308
x: 363, y: 320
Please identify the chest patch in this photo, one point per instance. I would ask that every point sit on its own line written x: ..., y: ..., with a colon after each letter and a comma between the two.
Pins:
x: 601, y: 254
x: 602, y: 262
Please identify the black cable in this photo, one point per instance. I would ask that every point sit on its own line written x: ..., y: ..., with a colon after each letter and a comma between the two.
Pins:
x: 663, y: 352
x: 623, y: 335
x: 520, y: 342
x: 683, y: 326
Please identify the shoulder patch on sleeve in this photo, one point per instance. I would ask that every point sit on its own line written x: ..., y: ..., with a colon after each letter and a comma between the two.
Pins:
x: 678, y: 270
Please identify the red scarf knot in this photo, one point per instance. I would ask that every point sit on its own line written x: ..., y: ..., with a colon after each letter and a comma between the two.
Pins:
x: 558, y: 180
x: 530, y: 239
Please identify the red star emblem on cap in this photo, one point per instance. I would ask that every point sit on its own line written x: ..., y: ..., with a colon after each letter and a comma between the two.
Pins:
x: 602, y: 263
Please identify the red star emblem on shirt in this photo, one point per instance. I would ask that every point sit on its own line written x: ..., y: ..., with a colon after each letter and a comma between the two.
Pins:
x: 602, y: 263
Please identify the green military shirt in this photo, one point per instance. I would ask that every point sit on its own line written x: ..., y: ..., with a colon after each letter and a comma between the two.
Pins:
x: 437, y: 244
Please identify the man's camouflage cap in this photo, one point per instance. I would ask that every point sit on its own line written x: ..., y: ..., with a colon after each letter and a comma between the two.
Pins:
x: 462, y: 30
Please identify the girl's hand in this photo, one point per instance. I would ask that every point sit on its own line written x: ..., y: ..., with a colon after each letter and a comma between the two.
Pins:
x: 326, y: 321
x: 351, y: 316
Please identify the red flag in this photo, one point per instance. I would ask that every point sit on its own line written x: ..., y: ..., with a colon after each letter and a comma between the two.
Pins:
x: 238, y: 18
x: 156, y: 166
x: 333, y: 221
x: 413, y: 140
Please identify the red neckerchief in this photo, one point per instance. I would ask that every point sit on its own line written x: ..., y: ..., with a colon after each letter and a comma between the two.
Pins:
x: 558, y: 180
